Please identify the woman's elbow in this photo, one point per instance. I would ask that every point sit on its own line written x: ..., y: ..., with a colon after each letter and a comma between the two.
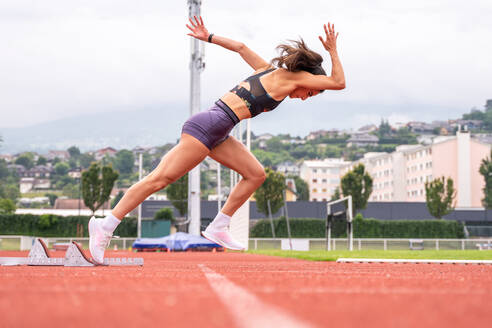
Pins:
x: 340, y: 85
x: 240, y: 47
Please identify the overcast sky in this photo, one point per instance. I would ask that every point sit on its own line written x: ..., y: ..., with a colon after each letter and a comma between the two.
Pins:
x: 403, y: 60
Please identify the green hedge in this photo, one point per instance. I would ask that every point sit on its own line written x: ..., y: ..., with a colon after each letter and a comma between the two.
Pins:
x: 363, y: 228
x: 49, y: 225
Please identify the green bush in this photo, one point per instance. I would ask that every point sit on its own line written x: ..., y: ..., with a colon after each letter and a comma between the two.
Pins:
x: 49, y: 225
x: 7, y: 206
x: 363, y: 228
x: 165, y: 213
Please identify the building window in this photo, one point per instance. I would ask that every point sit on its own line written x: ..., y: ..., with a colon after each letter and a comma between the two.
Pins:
x: 314, y: 199
x: 315, y: 180
x: 315, y: 171
x: 315, y: 190
x: 324, y: 171
x: 323, y: 190
x: 324, y: 180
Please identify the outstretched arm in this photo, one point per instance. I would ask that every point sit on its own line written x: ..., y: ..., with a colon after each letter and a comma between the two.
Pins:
x: 337, y: 79
x: 199, y: 31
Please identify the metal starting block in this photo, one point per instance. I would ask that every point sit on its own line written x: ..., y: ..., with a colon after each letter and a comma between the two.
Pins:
x: 74, y: 257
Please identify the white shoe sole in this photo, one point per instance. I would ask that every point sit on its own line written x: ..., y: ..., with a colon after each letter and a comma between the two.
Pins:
x: 91, y: 232
x: 221, y: 243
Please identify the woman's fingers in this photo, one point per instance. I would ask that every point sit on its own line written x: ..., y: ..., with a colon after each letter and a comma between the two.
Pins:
x: 192, y: 23
x: 201, y: 20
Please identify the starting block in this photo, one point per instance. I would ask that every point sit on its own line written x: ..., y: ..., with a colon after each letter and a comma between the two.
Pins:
x: 74, y: 257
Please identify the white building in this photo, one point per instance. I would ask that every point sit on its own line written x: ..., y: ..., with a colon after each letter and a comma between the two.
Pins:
x: 401, y: 176
x: 323, y: 177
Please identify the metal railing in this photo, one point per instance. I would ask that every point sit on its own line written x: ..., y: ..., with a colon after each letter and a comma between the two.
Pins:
x: 17, y: 243
x: 370, y: 243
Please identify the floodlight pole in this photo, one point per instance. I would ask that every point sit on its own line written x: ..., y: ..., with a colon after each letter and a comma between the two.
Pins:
x: 139, y: 218
x: 196, y: 67
x: 350, y: 226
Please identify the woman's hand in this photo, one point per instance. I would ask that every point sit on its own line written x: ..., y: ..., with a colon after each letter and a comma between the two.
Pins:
x: 198, y: 29
x: 330, y: 43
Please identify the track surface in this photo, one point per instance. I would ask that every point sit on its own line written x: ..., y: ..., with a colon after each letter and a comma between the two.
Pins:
x: 174, y: 290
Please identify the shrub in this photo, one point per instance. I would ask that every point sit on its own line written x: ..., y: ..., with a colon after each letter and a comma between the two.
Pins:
x: 363, y: 228
x: 56, y: 226
x: 165, y: 213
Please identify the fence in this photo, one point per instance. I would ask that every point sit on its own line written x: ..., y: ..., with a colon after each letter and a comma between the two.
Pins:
x: 16, y: 243
x: 305, y: 244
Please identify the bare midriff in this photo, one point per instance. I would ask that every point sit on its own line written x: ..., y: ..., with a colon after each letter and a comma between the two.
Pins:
x: 237, y: 105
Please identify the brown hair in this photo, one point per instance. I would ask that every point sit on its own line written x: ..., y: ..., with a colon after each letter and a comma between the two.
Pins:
x: 298, y: 57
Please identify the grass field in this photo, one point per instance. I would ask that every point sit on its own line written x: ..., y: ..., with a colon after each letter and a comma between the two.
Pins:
x: 9, y: 244
x: 377, y: 254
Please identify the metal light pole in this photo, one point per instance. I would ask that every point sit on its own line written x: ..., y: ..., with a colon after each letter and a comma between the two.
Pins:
x: 139, y: 224
x: 80, y: 185
x: 196, y: 67
x: 219, y: 189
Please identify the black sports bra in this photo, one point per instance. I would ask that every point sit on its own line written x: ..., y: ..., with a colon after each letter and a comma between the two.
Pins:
x: 256, y: 99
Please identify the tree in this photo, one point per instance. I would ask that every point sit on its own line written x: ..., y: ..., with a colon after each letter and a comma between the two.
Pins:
x: 486, y: 171
x: 74, y: 152
x: 117, y: 199
x: 271, y: 190
x: 4, y: 170
x: 97, y: 184
x: 124, y: 161
x: 177, y: 193
x: 7, y: 206
x: 301, y: 186
x: 164, y: 213
x: 52, y: 197
x: 336, y: 194
x: 358, y: 184
x: 474, y: 114
x: 41, y: 160
x: 384, y: 129
x: 26, y: 160
x: 86, y: 160
x: 9, y: 191
x: 61, y: 169
x: 439, y: 196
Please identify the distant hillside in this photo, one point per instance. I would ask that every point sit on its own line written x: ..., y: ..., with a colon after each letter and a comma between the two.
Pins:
x: 127, y: 129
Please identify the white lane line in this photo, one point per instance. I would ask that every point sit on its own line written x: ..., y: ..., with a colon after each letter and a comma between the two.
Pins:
x: 247, y: 309
x: 355, y: 260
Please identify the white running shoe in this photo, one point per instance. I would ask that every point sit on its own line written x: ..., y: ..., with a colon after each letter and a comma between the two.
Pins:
x: 223, y: 238
x: 98, y: 240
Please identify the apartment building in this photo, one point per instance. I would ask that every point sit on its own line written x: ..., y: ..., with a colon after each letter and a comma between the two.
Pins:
x: 400, y: 176
x: 323, y: 177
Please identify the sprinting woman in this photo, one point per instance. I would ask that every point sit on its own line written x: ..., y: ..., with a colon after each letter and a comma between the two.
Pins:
x: 296, y: 73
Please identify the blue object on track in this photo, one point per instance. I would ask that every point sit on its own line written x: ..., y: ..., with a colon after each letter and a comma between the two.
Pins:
x: 180, y: 241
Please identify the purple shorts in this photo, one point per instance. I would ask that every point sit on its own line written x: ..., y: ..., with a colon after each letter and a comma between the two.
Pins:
x: 211, y: 127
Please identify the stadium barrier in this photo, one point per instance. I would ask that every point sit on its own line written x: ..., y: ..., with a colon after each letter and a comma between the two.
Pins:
x: 18, y: 243
x: 15, y: 243
x: 370, y: 243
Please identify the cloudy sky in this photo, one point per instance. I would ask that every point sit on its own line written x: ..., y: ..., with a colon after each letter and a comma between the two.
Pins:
x: 403, y: 60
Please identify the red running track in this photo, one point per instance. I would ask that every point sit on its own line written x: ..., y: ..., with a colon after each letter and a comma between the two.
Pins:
x: 173, y: 290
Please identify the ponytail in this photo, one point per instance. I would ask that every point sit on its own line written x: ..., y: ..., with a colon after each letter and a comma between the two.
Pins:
x: 298, y: 57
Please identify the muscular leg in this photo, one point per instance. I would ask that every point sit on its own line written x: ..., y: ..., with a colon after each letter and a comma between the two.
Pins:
x: 188, y: 153
x: 236, y: 156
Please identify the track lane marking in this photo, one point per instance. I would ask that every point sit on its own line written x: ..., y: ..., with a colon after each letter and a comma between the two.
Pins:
x: 247, y: 309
